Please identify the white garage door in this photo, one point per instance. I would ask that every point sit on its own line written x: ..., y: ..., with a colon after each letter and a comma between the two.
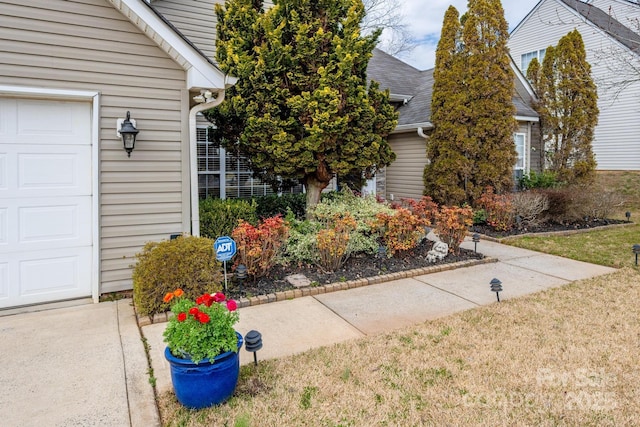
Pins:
x: 45, y: 201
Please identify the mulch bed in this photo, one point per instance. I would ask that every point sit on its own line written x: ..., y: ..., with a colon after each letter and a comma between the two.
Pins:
x: 546, y: 228
x: 356, y: 267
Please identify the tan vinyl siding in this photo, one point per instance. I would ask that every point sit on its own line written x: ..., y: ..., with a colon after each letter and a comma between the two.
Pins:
x: 617, y: 136
x: 196, y: 19
x: 404, y: 175
x: 88, y: 45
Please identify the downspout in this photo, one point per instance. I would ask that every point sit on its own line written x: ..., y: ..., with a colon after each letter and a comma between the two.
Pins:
x: 209, y: 103
x: 421, y: 133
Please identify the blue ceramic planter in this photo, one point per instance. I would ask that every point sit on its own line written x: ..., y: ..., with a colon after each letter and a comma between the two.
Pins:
x: 204, y: 384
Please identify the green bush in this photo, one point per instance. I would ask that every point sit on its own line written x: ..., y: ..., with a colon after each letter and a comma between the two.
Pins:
x: 544, y: 179
x: 269, y: 206
x: 187, y: 262
x: 219, y: 217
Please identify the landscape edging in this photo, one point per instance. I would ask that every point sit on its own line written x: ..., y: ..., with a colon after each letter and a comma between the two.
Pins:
x: 332, y: 287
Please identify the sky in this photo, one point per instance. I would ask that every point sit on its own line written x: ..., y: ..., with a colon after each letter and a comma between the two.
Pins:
x: 424, y: 19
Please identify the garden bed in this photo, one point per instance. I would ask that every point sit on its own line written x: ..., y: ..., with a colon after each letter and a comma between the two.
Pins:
x: 548, y: 228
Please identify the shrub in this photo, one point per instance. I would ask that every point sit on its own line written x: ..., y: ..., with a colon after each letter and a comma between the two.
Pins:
x: 560, y: 205
x: 400, y: 230
x: 479, y: 217
x: 593, y: 201
x: 187, y: 262
x: 546, y: 179
x: 332, y: 242
x: 268, y: 206
x: 452, y: 224
x: 425, y: 208
x: 529, y: 207
x: 499, y: 209
x: 219, y: 217
x: 258, y: 247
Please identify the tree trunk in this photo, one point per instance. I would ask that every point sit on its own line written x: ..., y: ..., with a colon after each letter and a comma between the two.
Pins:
x: 314, y: 188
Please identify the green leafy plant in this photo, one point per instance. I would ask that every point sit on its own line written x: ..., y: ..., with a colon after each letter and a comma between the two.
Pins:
x: 268, y: 206
x: 219, y: 217
x: 187, y: 262
x: 546, y: 179
x: 452, y: 224
x: 259, y: 246
x: 201, y: 329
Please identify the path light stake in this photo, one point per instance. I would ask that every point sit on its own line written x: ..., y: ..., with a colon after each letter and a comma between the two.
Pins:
x: 636, y: 250
x: 241, y: 274
x: 496, y: 286
x: 476, y: 238
x: 628, y: 215
x: 382, y: 252
x: 253, y: 343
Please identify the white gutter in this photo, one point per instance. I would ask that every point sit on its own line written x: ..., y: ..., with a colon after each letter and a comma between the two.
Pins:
x: 193, y: 155
x: 412, y: 127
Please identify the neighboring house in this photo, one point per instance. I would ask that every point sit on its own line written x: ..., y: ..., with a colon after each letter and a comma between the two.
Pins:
x: 609, y: 29
x: 411, y: 92
x: 74, y: 209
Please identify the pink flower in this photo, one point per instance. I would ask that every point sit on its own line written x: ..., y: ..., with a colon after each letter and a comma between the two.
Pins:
x: 182, y: 317
x: 219, y: 297
x: 232, y: 305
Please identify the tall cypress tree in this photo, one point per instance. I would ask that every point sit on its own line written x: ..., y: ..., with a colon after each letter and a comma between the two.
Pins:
x: 302, y: 108
x: 450, y: 166
x: 472, y: 144
x: 568, y: 109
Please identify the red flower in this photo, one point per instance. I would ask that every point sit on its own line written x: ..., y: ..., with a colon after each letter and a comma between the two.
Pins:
x: 232, y: 305
x: 194, y: 311
x: 182, y: 317
x: 203, y: 318
x: 200, y: 300
x: 219, y: 297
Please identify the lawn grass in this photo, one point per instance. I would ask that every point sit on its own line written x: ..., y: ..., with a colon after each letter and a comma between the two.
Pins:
x: 610, y: 247
x: 563, y: 357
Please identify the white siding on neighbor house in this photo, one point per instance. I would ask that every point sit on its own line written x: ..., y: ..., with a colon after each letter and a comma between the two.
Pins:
x: 88, y: 45
x: 404, y: 175
x: 617, y: 136
x: 196, y: 19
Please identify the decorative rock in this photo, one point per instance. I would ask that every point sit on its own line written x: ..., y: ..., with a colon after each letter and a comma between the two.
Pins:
x: 298, y: 280
x: 438, y: 252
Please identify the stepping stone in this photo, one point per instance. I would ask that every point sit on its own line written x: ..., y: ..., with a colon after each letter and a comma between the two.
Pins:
x: 298, y: 280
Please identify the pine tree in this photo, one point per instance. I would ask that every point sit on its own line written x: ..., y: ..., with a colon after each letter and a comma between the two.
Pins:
x: 568, y: 109
x: 302, y: 108
x: 472, y: 144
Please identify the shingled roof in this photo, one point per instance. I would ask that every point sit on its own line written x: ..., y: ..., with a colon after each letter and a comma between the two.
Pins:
x: 415, y: 88
x: 607, y: 23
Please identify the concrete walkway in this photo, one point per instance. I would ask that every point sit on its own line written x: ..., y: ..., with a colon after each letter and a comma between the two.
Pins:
x: 86, y: 365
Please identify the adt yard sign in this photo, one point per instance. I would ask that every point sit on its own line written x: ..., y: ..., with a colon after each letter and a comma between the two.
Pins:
x: 225, y: 248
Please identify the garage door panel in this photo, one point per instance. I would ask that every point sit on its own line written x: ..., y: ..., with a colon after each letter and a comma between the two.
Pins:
x: 37, y: 276
x: 45, y: 223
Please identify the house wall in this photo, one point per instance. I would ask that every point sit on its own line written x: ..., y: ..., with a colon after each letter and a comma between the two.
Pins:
x: 196, y: 19
x: 617, y: 136
x: 621, y: 10
x: 88, y: 45
x: 404, y: 175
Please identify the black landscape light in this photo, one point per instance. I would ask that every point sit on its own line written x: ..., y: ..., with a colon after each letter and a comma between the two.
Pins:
x: 382, y: 252
x: 628, y: 215
x: 476, y: 238
x: 636, y: 251
x: 253, y: 343
x: 496, y: 286
x: 241, y: 274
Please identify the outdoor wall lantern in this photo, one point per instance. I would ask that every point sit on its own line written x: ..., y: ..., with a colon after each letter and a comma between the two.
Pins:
x: 128, y: 132
x: 496, y: 286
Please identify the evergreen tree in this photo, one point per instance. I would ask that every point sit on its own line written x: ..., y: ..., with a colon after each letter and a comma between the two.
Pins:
x: 472, y: 110
x: 568, y: 109
x: 449, y: 168
x: 302, y: 108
